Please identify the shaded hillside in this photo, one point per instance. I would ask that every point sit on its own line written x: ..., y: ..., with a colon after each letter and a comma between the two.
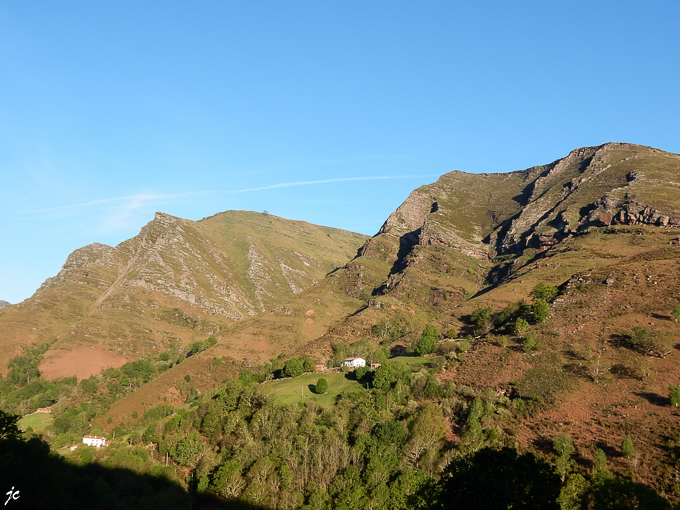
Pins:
x: 4, y: 303
x: 176, y: 282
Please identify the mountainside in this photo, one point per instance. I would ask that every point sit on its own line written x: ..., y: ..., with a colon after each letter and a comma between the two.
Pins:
x: 4, y: 303
x: 600, y: 225
x: 176, y: 282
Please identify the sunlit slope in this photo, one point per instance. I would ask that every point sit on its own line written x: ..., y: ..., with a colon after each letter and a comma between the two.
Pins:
x: 177, y: 281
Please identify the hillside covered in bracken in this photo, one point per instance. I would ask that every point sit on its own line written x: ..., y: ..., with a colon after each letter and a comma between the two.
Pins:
x: 526, y: 319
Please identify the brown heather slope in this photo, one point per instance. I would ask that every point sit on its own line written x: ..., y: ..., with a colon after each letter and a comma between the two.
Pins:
x: 601, y: 223
x: 176, y: 282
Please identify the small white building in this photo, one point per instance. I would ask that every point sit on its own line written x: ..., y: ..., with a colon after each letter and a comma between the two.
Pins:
x: 94, y: 441
x: 354, y: 362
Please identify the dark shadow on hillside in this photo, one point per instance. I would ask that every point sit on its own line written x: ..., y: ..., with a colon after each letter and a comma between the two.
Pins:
x: 406, y: 244
x: 398, y: 350
x: 545, y: 445
x: 654, y: 398
x: 609, y: 451
x: 45, y: 480
x: 621, y: 371
x: 578, y: 370
x: 662, y: 317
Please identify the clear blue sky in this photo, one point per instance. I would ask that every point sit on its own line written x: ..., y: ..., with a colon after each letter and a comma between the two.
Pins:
x: 110, y: 111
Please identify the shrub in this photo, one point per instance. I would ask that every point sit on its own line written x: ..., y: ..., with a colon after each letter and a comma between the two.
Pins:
x: 427, y: 341
x: 481, y: 318
x: 545, y: 292
x: 321, y: 386
x: 627, y: 448
x: 541, y: 310
x: 293, y: 368
x: 520, y: 327
x: 676, y: 312
x: 530, y: 342
x: 674, y: 394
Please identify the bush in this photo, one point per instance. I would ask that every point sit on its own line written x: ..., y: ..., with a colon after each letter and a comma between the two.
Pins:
x: 481, y: 318
x: 674, y: 394
x: 676, y: 312
x: 321, y: 386
x: 627, y: 448
x: 427, y: 341
x: 520, y: 327
x: 293, y: 368
x: 545, y: 292
x: 541, y: 310
x: 530, y: 342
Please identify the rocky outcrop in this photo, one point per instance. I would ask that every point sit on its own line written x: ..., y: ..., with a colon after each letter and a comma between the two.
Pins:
x: 89, y: 255
x: 409, y: 216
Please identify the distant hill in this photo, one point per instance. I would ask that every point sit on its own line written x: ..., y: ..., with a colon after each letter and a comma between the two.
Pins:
x: 602, y: 225
x: 4, y: 303
x: 176, y: 282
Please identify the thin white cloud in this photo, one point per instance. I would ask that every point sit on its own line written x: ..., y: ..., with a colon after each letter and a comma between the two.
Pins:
x: 325, y: 181
x: 127, y: 202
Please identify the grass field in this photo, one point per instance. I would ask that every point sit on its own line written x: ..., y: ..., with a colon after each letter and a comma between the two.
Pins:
x: 36, y: 421
x: 289, y: 391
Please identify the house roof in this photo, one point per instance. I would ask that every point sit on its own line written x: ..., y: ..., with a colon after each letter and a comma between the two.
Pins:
x: 94, y: 437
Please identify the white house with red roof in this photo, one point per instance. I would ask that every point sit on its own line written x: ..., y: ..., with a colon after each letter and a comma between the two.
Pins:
x: 354, y: 362
x: 95, y: 441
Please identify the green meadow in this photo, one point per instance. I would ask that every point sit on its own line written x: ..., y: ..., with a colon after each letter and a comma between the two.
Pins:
x: 289, y: 391
x: 36, y: 421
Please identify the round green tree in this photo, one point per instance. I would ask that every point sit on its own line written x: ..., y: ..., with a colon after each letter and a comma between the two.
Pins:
x: 427, y: 341
x: 293, y: 368
x: 321, y: 386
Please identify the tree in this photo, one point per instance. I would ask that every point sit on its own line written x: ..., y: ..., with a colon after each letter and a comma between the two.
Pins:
x: 428, y: 339
x: 8, y: 426
x: 541, y: 310
x: 573, y: 491
x: 676, y: 312
x: 308, y: 364
x: 617, y: 494
x: 293, y: 368
x: 627, y: 448
x: 530, y: 342
x: 481, y: 318
x: 545, y: 292
x: 564, y: 447
x: 186, y: 450
x: 321, y: 386
x: 674, y: 394
x: 492, y: 479
x: 600, y: 465
x: 521, y: 326
x: 384, y: 377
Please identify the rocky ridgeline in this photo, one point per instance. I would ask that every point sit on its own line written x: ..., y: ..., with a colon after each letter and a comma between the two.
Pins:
x: 234, y: 278
x: 482, y: 215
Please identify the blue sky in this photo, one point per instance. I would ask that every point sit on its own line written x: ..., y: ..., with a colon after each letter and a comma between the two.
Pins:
x: 110, y: 111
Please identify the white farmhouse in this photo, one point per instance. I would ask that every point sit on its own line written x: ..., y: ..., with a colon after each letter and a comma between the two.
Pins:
x: 354, y: 362
x: 94, y: 441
